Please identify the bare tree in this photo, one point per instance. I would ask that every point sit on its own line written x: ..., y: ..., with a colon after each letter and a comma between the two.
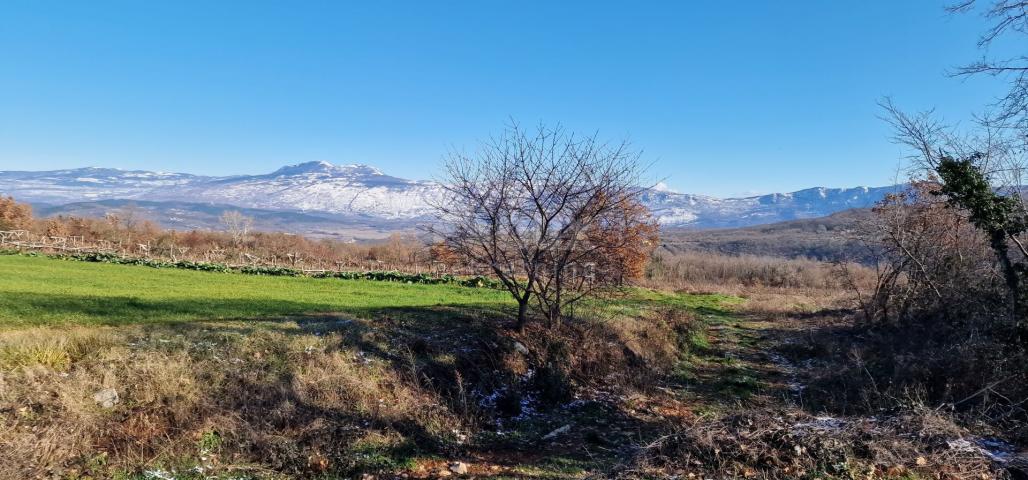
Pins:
x: 614, y: 246
x: 1006, y: 17
x: 979, y: 174
x: 131, y: 216
x: 237, y: 225
x: 521, y: 207
x: 981, y: 170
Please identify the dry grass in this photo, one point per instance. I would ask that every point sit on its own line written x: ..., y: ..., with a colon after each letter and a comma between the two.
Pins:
x: 774, y: 429
x: 746, y: 273
x: 176, y: 386
x: 41, y: 346
x: 322, y: 394
x: 623, y: 355
x: 777, y: 445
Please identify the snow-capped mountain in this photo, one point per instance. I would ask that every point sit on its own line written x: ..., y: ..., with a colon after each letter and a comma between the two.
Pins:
x: 313, y: 186
x: 700, y: 211
x: 83, y: 184
x: 358, y: 190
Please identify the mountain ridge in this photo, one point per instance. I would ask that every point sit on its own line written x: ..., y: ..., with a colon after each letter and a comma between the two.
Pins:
x: 361, y: 190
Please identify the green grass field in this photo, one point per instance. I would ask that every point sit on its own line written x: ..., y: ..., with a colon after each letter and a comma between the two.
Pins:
x: 40, y: 291
x: 297, y: 377
x: 37, y: 291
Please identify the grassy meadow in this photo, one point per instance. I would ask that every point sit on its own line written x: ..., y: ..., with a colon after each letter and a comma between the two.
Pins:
x: 43, y: 291
x: 222, y: 375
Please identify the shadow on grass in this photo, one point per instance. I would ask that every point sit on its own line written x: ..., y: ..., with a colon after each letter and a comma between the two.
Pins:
x: 35, y: 309
x: 457, y: 352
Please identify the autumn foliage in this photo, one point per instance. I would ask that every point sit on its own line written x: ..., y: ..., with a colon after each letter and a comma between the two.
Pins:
x: 14, y: 215
x: 625, y: 239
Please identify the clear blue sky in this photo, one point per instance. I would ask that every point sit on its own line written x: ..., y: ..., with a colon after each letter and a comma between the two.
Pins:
x: 725, y: 97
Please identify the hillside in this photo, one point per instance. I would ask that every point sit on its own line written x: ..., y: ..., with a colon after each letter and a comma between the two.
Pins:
x: 830, y: 238
x: 184, y: 216
x: 703, y: 212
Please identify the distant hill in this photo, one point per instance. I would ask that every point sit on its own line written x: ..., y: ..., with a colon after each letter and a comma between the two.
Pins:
x: 361, y: 193
x: 829, y: 238
x: 206, y: 216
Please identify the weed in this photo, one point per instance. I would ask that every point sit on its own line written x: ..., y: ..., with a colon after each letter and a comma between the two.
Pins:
x: 210, y: 442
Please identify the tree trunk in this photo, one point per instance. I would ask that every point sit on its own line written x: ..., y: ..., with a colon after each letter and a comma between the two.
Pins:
x: 554, y: 315
x: 522, y: 313
x: 998, y: 240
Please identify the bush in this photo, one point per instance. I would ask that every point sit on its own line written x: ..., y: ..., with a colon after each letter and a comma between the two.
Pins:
x: 937, y: 324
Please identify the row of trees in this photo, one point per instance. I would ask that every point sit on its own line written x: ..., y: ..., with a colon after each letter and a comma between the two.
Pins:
x: 128, y: 232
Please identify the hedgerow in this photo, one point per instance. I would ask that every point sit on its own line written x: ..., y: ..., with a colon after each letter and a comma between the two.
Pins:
x: 477, y: 281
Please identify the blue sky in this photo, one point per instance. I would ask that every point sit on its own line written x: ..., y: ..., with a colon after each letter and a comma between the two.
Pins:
x: 724, y: 98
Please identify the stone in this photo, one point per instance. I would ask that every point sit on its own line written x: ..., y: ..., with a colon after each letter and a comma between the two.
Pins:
x: 106, y: 398
x: 521, y: 348
x: 557, y: 432
x: 460, y: 468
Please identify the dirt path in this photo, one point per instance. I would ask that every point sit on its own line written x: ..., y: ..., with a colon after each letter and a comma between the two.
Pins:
x: 736, y: 363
